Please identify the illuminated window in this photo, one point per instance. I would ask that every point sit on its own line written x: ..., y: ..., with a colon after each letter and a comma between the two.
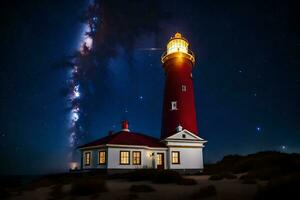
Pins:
x: 101, y: 157
x: 136, y: 157
x: 87, y: 158
x: 175, y: 157
x: 159, y: 159
x: 174, y: 105
x: 124, y: 157
x: 183, y: 88
x: 177, y: 44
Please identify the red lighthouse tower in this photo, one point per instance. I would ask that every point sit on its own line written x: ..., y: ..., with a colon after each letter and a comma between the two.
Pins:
x: 179, y: 101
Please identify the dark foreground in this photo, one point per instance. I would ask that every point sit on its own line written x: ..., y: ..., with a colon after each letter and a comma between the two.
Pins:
x: 265, y: 175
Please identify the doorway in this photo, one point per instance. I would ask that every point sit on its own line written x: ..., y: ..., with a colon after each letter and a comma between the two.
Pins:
x: 160, y: 161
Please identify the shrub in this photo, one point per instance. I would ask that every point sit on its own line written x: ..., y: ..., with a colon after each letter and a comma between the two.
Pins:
x: 267, y: 173
x: 57, y: 192
x: 249, y: 175
x: 223, y: 175
x: 249, y: 181
x: 167, y: 176
x: 140, y: 175
x: 141, y: 188
x: 229, y: 176
x: 204, y: 192
x: 216, y: 177
x: 264, y: 165
x: 4, y: 193
x: 280, y: 188
x: 88, y: 187
x: 129, y: 196
x: 186, y: 181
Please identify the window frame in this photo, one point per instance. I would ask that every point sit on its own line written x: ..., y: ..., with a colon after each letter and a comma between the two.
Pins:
x: 120, y: 160
x: 85, y: 158
x: 99, y: 152
x: 140, y: 156
x: 174, y: 107
x: 183, y: 88
x: 178, y: 153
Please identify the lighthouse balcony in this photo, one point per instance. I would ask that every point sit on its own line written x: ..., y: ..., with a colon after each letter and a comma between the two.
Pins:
x: 178, y: 54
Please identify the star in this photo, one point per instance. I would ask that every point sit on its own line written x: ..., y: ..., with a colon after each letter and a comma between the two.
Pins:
x: 141, y: 97
x: 283, y: 147
x: 258, y: 129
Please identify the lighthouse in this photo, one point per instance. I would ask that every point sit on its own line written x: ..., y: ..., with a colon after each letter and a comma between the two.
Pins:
x: 179, y: 148
x: 179, y: 99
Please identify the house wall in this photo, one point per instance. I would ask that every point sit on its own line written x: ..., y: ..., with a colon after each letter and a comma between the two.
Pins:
x: 190, y: 158
x: 114, y: 158
x: 190, y: 147
x: 94, y: 159
x: 147, y: 159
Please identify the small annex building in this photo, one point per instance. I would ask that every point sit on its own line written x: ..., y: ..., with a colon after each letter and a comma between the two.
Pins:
x: 125, y: 150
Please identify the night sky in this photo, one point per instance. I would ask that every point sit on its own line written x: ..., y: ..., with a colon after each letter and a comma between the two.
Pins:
x: 246, y: 77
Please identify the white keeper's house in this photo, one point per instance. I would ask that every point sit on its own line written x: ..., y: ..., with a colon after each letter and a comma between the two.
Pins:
x: 179, y: 147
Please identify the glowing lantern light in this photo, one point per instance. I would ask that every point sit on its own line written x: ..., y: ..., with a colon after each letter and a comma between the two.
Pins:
x: 178, y: 47
x: 177, y: 44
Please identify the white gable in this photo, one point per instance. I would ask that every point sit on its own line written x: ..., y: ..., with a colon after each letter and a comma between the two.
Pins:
x: 184, y: 135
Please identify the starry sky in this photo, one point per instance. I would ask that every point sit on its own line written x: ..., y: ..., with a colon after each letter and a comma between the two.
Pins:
x: 246, y: 77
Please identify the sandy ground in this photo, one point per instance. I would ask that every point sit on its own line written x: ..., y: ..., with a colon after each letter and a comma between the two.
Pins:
x: 119, y: 189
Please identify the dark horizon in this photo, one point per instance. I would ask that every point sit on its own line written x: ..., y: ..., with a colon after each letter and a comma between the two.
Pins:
x: 246, y: 77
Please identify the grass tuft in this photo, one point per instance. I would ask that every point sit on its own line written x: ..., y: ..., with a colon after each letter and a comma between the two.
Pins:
x: 187, y: 181
x: 249, y: 181
x: 4, y: 193
x: 216, y: 177
x: 88, y: 187
x: 204, y: 192
x: 285, y: 187
x: 141, y: 188
x: 57, y: 192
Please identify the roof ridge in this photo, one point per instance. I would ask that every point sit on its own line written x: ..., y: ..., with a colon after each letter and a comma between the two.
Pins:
x: 138, y: 133
x: 109, y: 137
x: 126, y: 137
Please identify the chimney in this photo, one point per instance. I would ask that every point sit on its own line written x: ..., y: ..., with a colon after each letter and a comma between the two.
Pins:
x: 125, y: 125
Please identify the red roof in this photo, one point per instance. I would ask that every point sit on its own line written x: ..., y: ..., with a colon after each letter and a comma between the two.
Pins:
x: 126, y: 138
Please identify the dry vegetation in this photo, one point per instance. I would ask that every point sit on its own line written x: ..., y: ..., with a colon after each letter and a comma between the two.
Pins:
x: 141, y: 188
x: 204, y: 192
x: 279, y: 172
